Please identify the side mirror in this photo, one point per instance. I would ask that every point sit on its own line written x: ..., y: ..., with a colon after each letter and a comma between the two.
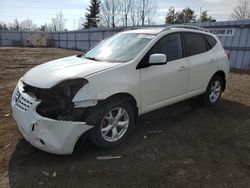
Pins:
x: 157, y: 59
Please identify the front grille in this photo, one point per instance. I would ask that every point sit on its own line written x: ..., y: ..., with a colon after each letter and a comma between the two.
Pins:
x: 22, y: 103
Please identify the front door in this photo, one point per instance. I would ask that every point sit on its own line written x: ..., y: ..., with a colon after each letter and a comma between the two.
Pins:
x: 162, y: 84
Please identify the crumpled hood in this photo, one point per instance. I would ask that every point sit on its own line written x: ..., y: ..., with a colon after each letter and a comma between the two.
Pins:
x: 49, y: 74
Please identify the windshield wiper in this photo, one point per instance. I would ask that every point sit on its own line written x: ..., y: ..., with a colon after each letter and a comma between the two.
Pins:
x: 92, y: 58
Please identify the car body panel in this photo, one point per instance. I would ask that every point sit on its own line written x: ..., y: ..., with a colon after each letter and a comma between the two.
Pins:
x: 103, y: 85
x: 201, y: 66
x: 161, y: 83
x: 58, y: 137
x: 49, y: 74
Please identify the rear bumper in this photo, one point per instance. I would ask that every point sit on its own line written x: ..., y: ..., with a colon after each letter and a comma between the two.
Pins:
x: 53, y: 136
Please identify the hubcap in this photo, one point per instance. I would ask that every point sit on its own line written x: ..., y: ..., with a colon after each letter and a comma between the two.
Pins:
x: 215, y: 91
x: 115, y: 124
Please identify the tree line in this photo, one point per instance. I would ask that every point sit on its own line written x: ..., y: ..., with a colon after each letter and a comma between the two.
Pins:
x: 108, y: 13
x: 187, y: 15
x: 113, y: 13
x: 57, y: 24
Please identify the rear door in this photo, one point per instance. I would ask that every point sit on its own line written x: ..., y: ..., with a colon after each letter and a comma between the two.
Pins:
x: 202, y: 61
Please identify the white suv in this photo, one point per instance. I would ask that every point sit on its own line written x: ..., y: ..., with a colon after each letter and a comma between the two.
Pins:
x: 102, y: 92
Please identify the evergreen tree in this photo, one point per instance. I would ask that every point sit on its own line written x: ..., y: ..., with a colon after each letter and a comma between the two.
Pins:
x: 187, y: 15
x: 92, y: 16
x: 171, y: 16
x: 206, y: 18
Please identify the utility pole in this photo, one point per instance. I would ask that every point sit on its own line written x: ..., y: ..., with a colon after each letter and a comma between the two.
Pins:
x: 200, y: 13
x: 200, y: 16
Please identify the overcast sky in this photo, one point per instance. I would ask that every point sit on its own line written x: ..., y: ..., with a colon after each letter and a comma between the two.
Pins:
x: 41, y: 11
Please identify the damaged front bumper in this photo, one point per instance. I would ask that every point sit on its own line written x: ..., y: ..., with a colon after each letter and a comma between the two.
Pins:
x: 53, y: 136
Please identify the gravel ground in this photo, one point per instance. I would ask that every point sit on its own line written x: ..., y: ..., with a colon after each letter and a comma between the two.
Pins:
x: 195, y: 146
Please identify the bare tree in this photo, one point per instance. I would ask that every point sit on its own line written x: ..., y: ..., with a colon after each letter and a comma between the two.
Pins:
x: 61, y: 21
x: 81, y: 23
x: 144, y: 7
x: 242, y: 11
x: 142, y: 11
x: 28, y: 25
x: 105, y: 14
x: 58, y: 23
x: 126, y: 6
x: 133, y: 12
x: 54, y: 24
x: 3, y: 26
x: 115, y: 8
x: 151, y: 11
x: 44, y: 27
x: 109, y: 11
x: 51, y: 27
x: 138, y: 15
x: 16, y: 25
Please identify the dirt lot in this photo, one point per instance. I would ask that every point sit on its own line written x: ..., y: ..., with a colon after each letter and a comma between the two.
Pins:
x: 198, y: 146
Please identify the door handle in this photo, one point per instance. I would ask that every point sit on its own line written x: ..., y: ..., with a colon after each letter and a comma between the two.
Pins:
x: 182, y: 68
x: 212, y: 61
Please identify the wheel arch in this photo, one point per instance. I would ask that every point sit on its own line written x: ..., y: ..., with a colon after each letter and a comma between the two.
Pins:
x: 115, y: 97
x: 222, y: 75
x: 124, y: 97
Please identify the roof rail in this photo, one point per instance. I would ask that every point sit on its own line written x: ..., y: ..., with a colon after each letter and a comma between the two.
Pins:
x: 185, y: 27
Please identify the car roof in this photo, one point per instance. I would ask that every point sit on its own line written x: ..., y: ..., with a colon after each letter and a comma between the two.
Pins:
x: 157, y: 30
x: 152, y: 31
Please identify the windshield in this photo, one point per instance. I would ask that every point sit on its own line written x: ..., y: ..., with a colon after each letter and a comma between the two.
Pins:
x: 121, y: 47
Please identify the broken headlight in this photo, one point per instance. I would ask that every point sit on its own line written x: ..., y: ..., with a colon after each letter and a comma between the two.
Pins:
x: 56, y: 102
x: 68, y: 88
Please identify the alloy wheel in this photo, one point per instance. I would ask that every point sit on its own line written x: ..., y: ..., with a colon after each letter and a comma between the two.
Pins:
x: 215, y: 91
x: 114, y: 124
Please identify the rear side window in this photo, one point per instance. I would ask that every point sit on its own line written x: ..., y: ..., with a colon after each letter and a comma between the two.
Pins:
x: 194, y: 44
x: 169, y: 45
x: 211, y: 41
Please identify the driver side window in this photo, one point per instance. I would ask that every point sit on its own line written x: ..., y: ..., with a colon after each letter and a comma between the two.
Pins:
x: 170, y: 45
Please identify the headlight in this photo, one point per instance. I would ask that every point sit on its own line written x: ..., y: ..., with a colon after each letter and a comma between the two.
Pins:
x: 69, y: 88
x: 66, y: 89
x: 56, y: 101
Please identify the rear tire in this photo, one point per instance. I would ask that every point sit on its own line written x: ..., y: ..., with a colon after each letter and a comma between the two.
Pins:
x: 113, y: 121
x: 214, y: 90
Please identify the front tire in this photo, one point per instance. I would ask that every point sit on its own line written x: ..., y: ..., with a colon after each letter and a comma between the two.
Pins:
x: 214, y: 90
x: 112, y: 123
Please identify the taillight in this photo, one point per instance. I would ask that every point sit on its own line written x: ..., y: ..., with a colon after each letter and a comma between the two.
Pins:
x: 228, y: 55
